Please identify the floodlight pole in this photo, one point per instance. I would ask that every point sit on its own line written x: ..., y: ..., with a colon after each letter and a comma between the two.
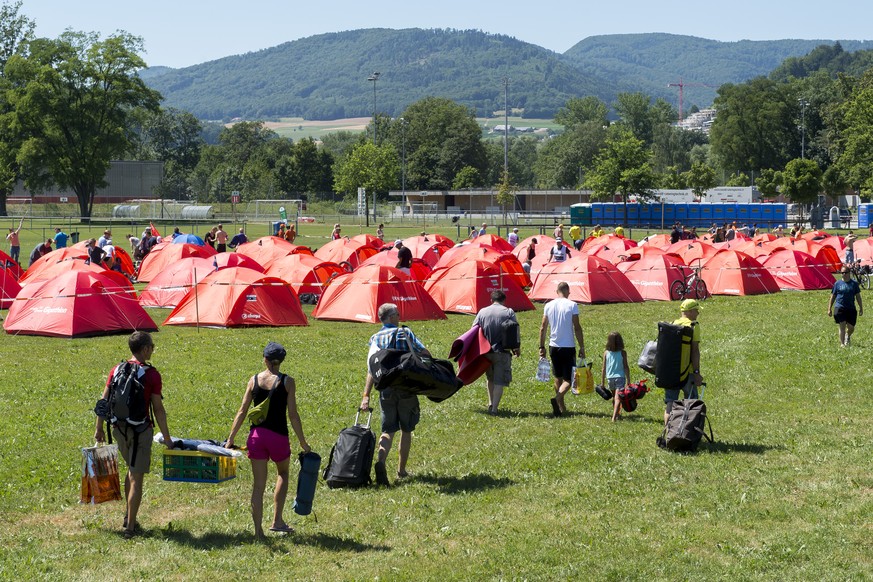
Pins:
x: 374, y: 77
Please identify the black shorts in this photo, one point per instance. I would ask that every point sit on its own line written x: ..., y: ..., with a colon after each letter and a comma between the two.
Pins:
x: 849, y: 315
x: 563, y: 361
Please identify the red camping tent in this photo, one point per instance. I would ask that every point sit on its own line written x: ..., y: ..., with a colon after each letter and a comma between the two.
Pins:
x: 492, y: 240
x: 239, y: 297
x: 171, y: 285
x: 507, y: 262
x: 369, y: 239
x: 591, y: 280
x: 798, y: 270
x: 78, y: 304
x: 48, y: 261
x: 466, y: 286
x: 608, y: 239
x: 236, y: 260
x: 616, y: 253
x: 357, y: 296
x: 7, y: 263
x: 661, y: 241
x: 345, y: 250
x: 736, y: 273
x: 824, y: 255
x: 127, y: 266
x: 167, y: 253
x: 51, y: 270
x: 267, y: 249
x: 9, y: 288
x: 864, y: 250
x: 429, y: 250
x: 691, y: 250
x: 419, y: 271
x: 306, y: 273
x: 654, y: 274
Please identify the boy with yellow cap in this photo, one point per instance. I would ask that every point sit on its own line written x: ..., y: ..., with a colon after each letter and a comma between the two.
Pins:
x: 690, y: 357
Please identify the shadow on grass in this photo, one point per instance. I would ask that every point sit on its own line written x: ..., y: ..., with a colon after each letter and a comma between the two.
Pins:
x: 466, y: 484
x: 220, y: 540
x: 746, y: 448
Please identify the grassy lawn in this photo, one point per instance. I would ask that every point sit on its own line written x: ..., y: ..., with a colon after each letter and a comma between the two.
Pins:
x: 786, y: 493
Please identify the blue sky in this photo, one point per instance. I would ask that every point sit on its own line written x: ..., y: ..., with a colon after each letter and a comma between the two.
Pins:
x: 180, y: 33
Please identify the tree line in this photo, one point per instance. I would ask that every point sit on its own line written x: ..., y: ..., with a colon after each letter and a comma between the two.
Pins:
x: 70, y: 105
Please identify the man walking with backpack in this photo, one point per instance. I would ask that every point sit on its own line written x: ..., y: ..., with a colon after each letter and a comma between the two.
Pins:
x: 500, y: 327
x: 400, y: 409
x: 132, y: 403
x: 690, y: 377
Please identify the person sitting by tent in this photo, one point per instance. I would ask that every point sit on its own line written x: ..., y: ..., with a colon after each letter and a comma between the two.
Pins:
x: 176, y: 232
x: 559, y: 253
x: 40, y: 250
x: 238, y: 239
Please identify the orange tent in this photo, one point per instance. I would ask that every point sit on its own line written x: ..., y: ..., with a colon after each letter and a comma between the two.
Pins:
x: 345, y: 250
x: 798, y: 270
x: 429, y: 250
x: 507, y: 262
x: 50, y: 259
x: 418, y: 271
x: 52, y: 270
x: 127, y: 266
x: 661, y: 241
x: 357, y: 296
x: 544, y: 242
x: 78, y: 304
x: 239, y: 297
x: 9, y: 288
x: 267, y: 249
x: 466, y: 286
x: 492, y: 240
x: 691, y: 250
x: 222, y: 260
x: 736, y: 273
x: 591, y: 280
x: 864, y: 250
x: 653, y: 275
x: 305, y: 273
x: 166, y: 253
x: 369, y: 239
x: 607, y: 239
x: 172, y: 284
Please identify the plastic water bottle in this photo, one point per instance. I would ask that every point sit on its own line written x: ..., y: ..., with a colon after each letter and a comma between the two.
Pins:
x: 544, y: 372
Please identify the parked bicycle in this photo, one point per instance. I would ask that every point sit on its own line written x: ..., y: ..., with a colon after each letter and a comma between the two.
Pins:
x: 691, y: 286
x: 861, y: 274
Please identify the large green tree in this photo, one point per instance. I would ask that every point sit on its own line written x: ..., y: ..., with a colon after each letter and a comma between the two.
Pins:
x: 801, y: 181
x: 562, y: 161
x: 15, y: 30
x: 174, y: 137
x: 441, y: 137
x: 581, y: 110
x: 74, y: 100
x: 700, y: 178
x: 367, y: 166
x: 856, y: 141
x: 637, y: 112
x: 623, y: 167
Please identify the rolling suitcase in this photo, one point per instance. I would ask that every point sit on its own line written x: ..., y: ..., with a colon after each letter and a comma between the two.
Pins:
x: 351, y: 458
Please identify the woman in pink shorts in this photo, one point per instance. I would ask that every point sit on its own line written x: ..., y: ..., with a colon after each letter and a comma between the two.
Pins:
x: 268, y: 441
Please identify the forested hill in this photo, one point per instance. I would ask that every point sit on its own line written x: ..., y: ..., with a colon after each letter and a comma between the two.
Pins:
x: 649, y: 62
x: 325, y: 76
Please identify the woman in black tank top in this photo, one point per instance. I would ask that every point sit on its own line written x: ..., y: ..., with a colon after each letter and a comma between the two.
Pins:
x: 268, y: 440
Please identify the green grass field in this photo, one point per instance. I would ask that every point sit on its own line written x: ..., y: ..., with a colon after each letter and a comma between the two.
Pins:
x: 784, y: 494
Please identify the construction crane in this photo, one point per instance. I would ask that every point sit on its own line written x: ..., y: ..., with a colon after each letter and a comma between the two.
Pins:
x: 682, y: 86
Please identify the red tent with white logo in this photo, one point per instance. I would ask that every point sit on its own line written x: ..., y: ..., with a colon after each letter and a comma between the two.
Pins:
x: 418, y: 270
x: 357, y: 296
x: 466, y: 286
x: 591, y: 280
x: 798, y: 270
x: 736, y: 273
x: 823, y: 254
x: 653, y: 275
x: 506, y: 261
x: 239, y: 297
x: 306, y: 273
x: 47, y: 271
x: 78, y: 304
x: 166, y: 253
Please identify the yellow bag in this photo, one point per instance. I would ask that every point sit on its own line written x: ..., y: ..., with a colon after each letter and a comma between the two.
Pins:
x: 584, y: 379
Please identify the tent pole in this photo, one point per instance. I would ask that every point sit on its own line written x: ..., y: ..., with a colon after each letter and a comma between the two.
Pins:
x: 196, y: 302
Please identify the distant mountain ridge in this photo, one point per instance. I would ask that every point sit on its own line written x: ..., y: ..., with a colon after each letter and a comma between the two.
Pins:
x: 325, y: 76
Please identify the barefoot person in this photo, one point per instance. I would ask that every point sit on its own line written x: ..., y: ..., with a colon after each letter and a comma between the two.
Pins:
x: 268, y: 440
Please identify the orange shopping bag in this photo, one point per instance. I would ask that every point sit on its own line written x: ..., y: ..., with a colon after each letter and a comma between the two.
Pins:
x: 100, y: 481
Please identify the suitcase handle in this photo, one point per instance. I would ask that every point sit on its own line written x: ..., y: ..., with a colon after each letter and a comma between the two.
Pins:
x: 369, y: 416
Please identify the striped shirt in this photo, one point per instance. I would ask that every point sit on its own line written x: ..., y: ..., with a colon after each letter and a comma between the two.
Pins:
x: 385, y: 339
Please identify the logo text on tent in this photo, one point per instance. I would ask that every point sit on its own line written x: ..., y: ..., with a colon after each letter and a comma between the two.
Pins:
x: 49, y: 310
x: 251, y: 316
x: 398, y: 298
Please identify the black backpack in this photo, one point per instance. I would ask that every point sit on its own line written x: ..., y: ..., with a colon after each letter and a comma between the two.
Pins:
x: 686, y: 425
x: 511, y: 335
x: 127, y: 403
x: 669, y: 372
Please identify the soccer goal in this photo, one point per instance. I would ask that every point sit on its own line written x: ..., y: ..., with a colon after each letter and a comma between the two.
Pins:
x: 272, y: 210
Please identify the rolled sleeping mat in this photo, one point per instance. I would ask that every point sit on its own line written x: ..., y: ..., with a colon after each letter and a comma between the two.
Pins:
x: 307, y: 479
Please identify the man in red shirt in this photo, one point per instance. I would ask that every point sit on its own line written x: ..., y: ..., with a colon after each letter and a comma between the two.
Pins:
x: 136, y: 447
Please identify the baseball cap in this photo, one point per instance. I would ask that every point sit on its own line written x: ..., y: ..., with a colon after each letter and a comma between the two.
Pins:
x: 689, y: 304
x: 558, y: 239
x: 274, y: 351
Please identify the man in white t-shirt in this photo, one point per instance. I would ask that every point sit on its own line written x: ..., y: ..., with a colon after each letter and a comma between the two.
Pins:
x: 561, y: 316
x: 513, y: 238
